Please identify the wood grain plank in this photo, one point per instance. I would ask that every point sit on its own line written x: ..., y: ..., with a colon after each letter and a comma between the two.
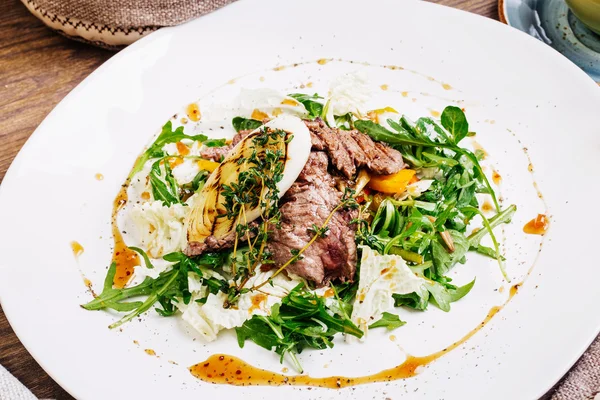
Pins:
x: 37, y: 69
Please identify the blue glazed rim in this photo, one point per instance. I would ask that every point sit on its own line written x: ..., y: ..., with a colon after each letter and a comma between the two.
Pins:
x: 551, y: 22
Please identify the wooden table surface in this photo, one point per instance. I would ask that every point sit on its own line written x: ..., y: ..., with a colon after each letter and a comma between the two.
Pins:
x: 37, y: 69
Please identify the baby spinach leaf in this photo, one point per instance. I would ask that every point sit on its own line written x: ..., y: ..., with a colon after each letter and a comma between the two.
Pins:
x: 417, y: 301
x: 389, y: 321
x: 314, y: 108
x: 244, y: 124
x: 454, y: 120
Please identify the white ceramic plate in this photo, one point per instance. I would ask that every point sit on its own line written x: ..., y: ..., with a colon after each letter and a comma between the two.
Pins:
x: 517, y: 94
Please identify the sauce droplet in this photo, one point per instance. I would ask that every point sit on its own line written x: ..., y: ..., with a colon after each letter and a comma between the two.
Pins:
x: 434, y: 113
x: 99, y: 177
x: 393, y: 338
x: 487, y: 206
x: 145, y: 195
x: 257, y: 300
x: 384, y: 87
x: 404, y: 94
x: 496, y: 177
x: 193, y: 112
x: 329, y: 293
x: 77, y: 248
x: 262, y: 79
x: 446, y: 86
x: 537, y: 226
x: 322, y: 61
x: 309, y: 84
x: 150, y: 352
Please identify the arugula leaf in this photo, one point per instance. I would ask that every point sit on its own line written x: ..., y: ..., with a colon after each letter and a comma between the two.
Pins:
x: 302, y: 320
x: 243, y: 124
x: 454, y: 120
x: 144, y: 256
x: 442, y: 297
x: 167, y: 135
x: 164, y: 187
x: 314, y: 108
x: 389, y: 321
x: 443, y: 260
x: 381, y: 134
x: 412, y: 300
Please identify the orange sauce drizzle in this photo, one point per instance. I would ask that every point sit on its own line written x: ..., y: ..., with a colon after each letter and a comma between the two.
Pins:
x: 125, y: 258
x: 77, y: 248
x: 145, y: 195
x: 322, y: 61
x: 446, y: 86
x: 226, y: 369
x: 193, y: 112
x: 537, y: 226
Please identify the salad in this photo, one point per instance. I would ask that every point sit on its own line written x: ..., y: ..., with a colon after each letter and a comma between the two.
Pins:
x: 318, y: 218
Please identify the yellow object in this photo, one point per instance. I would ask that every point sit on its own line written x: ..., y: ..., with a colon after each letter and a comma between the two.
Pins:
x: 588, y: 11
x: 207, y: 165
x: 394, y: 183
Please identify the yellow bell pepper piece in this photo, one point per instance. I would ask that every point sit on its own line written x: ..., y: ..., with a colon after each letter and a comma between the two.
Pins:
x: 394, y: 183
x: 207, y: 165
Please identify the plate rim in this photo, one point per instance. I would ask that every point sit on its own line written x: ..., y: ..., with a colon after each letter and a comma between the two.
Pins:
x: 145, y: 41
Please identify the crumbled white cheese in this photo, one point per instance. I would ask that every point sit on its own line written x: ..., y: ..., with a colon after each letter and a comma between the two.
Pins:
x: 380, y: 277
x: 209, y: 318
x: 348, y: 93
x: 186, y: 171
x: 161, y: 229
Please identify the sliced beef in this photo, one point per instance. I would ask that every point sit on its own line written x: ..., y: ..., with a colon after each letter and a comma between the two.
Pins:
x: 309, y: 202
x: 217, y: 153
x: 350, y: 150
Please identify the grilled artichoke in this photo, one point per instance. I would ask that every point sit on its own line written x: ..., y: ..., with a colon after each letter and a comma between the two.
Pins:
x: 210, y: 224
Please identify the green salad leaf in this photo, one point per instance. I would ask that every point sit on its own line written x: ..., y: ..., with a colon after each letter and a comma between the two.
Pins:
x: 243, y: 124
x: 302, y: 320
x: 313, y: 107
x: 166, y: 136
x: 389, y: 321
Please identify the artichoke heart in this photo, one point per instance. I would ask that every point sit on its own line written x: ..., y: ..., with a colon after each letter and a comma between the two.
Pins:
x: 211, y: 223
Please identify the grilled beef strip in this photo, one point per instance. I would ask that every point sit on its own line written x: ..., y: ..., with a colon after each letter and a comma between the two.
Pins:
x: 309, y: 201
